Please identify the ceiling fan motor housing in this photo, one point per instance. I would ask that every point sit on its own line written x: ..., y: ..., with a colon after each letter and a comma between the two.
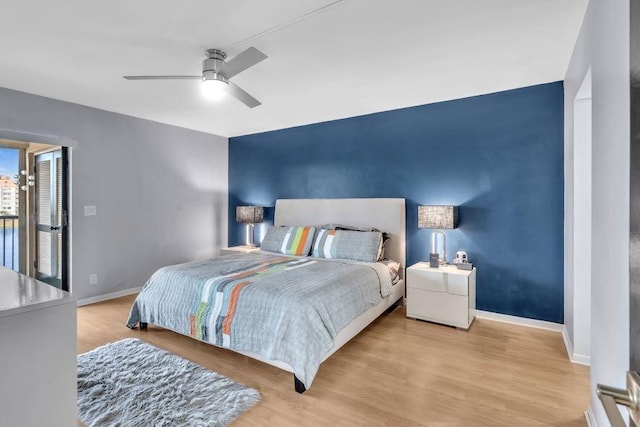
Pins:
x: 212, y: 75
x: 213, y: 63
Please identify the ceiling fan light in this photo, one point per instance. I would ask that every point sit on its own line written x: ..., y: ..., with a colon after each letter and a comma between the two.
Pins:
x: 214, y: 89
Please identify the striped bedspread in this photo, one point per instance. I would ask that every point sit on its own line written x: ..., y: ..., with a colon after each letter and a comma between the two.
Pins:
x: 282, y: 308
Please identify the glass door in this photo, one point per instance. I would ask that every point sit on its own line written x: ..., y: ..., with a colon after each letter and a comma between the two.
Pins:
x: 50, y: 218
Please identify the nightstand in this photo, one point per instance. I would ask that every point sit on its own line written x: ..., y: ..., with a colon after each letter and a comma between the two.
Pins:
x: 239, y: 249
x: 443, y: 295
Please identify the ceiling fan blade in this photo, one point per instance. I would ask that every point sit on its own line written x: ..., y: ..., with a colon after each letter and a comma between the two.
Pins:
x: 242, y: 96
x: 241, y: 62
x: 162, y: 77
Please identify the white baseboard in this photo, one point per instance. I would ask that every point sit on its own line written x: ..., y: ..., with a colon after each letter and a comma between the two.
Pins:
x: 591, y: 419
x: 112, y: 295
x: 567, y: 342
x: 574, y: 357
x: 581, y: 359
x: 522, y: 321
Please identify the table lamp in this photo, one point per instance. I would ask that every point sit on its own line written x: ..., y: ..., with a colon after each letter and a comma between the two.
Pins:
x: 249, y: 215
x: 438, y: 218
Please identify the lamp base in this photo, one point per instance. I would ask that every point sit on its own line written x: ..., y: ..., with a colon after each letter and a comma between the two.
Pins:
x: 435, y: 247
x: 249, y: 237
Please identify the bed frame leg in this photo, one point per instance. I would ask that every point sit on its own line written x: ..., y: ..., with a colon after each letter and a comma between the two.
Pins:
x: 393, y: 306
x: 300, y: 388
x: 143, y: 326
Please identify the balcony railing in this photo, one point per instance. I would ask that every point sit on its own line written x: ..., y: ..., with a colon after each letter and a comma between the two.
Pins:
x: 10, y: 241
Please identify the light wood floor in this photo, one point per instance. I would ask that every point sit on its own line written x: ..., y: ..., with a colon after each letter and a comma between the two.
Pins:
x: 397, y: 372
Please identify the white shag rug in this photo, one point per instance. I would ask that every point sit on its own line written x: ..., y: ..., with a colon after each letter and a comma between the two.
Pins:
x: 131, y: 383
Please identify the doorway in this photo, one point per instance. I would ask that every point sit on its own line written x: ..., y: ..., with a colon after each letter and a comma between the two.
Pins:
x: 582, y: 205
x: 34, y: 224
x: 578, y: 228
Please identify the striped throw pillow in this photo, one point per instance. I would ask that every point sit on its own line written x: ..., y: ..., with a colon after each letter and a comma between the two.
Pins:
x: 289, y: 240
x: 344, y: 244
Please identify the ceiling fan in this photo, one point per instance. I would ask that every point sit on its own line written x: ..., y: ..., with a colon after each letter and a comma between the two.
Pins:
x: 216, y: 73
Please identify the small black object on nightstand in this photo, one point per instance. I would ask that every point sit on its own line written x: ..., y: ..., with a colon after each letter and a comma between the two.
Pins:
x: 434, y: 261
x: 465, y: 266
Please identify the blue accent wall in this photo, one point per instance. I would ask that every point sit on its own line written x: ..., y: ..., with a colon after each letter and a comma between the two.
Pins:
x: 499, y: 157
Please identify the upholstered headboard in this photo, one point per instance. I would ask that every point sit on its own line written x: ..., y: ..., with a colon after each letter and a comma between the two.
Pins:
x: 387, y: 215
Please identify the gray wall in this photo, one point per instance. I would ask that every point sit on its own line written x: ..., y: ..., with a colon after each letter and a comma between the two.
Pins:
x: 603, y: 45
x: 160, y: 191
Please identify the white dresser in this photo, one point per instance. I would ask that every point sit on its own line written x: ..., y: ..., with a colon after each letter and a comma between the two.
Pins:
x: 37, y: 353
x: 443, y: 295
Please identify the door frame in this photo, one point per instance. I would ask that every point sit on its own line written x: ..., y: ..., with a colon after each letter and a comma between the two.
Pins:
x: 634, y: 189
x: 65, y: 220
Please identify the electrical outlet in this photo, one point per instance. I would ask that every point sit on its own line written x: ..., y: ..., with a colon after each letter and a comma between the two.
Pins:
x: 90, y: 211
x: 93, y: 279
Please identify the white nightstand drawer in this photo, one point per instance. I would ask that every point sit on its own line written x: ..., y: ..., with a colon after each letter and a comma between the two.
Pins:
x: 444, y: 295
x: 438, y: 281
x: 438, y: 307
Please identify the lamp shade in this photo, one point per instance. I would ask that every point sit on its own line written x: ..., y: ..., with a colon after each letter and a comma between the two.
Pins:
x: 249, y: 214
x: 438, y: 217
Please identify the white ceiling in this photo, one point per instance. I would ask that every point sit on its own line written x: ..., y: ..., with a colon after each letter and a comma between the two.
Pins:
x: 353, y: 58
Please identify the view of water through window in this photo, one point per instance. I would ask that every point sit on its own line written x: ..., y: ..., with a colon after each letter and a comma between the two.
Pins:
x: 9, y: 192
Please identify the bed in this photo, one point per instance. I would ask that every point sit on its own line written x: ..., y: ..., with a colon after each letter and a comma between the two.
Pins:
x: 291, y: 312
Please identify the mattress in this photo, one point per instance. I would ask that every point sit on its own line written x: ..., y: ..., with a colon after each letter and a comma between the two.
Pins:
x: 278, y: 307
